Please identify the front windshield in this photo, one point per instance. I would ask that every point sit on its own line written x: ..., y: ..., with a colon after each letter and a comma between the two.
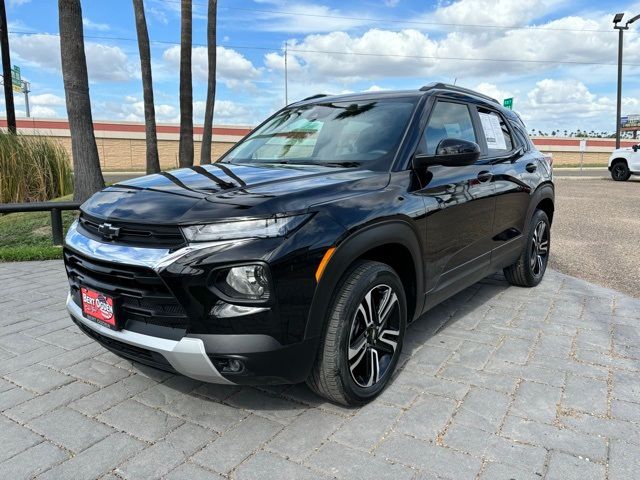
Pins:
x: 346, y: 134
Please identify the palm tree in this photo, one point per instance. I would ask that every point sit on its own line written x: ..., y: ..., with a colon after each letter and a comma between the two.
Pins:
x: 153, y: 162
x: 87, y: 176
x: 185, y: 149
x: 205, y: 151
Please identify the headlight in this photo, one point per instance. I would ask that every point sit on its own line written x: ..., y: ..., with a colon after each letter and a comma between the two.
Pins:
x: 249, y: 281
x: 258, y: 228
x: 244, y: 282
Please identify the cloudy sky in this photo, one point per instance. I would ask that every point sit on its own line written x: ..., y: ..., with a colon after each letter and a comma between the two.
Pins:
x: 555, y: 57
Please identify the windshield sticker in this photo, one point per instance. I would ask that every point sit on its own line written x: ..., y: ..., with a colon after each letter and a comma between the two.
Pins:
x: 492, y: 131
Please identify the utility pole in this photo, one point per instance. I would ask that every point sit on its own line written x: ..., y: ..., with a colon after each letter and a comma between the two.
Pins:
x: 286, y: 74
x: 616, y: 25
x: 26, y: 89
x: 6, y: 70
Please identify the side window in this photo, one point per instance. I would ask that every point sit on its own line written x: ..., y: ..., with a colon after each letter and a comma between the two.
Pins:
x: 496, y: 132
x: 448, y: 120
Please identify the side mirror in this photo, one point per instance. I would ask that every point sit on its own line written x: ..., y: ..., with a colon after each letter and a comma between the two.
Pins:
x: 636, y: 148
x: 450, y: 152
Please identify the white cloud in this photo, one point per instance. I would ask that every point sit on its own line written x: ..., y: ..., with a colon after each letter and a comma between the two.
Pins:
x: 232, y: 68
x: 493, y: 91
x: 466, y: 53
x: 91, y: 25
x: 41, y: 112
x: 492, y: 12
x: 395, y: 54
x: 47, y: 99
x: 105, y: 63
x: 391, y: 3
x: 303, y: 17
x: 226, y: 112
x: 568, y: 103
x: 550, y: 92
x: 159, y: 15
x: 17, y: 3
x: 132, y: 109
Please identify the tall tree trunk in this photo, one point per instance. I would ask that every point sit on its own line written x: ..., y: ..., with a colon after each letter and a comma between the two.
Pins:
x: 153, y: 162
x: 87, y: 176
x: 6, y: 70
x: 185, y: 150
x: 205, y: 151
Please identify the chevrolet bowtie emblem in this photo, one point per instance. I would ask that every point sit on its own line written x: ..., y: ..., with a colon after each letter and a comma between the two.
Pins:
x: 108, y: 231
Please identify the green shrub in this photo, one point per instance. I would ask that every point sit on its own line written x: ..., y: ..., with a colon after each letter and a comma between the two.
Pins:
x: 33, y: 169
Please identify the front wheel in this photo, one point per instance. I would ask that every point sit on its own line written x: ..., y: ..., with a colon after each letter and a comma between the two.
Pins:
x: 620, y: 171
x: 532, y: 263
x: 363, y: 337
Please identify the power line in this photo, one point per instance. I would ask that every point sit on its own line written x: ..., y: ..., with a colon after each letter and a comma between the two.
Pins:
x: 329, y: 52
x: 398, y: 21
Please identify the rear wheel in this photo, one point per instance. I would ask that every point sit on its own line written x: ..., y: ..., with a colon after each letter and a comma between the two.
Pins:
x: 620, y: 171
x: 532, y: 263
x: 363, y: 337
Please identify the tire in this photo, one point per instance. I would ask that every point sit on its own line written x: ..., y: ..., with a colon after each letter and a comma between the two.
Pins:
x: 620, y: 171
x: 344, y: 371
x: 532, y: 263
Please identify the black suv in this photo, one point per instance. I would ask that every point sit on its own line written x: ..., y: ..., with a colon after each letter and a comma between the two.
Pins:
x: 307, y: 249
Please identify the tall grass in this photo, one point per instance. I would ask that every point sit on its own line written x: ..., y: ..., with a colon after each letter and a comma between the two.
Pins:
x: 33, y: 169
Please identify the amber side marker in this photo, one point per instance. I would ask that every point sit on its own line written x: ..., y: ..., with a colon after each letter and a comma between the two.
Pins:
x: 323, y: 263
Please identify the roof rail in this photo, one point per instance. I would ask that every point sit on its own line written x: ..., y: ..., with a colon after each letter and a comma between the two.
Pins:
x: 455, y: 88
x: 319, y: 95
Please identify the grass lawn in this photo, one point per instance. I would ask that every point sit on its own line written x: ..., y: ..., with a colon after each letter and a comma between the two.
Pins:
x: 27, y: 236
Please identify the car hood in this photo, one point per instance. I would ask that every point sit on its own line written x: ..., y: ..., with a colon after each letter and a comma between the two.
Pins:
x: 217, y: 191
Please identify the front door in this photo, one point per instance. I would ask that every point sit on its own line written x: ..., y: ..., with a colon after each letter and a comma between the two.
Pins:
x: 460, y: 207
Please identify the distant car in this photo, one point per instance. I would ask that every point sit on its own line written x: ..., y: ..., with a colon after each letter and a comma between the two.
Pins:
x: 307, y: 249
x: 625, y: 162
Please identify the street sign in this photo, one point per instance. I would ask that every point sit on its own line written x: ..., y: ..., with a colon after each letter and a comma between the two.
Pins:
x: 16, y: 79
x: 508, y: 103
x: 583, y: 145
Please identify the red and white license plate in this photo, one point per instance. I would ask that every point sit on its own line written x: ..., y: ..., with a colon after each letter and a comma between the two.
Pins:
x: 98, y: 306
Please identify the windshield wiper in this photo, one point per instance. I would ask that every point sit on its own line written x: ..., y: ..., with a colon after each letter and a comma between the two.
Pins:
x: 345, y: 164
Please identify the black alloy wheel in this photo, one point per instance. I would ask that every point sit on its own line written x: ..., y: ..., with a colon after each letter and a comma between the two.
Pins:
x: 363, y: 337
x: 539, y: 248
x: 620, y: 171
x: 373, y: 337
x: 530, y: 266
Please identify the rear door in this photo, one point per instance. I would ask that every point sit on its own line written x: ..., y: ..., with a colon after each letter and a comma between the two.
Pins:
x: 517, y: 171
x: 459, y: 202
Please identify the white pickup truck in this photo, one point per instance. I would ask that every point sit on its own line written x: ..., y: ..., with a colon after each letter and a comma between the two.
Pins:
x: 625, y: 162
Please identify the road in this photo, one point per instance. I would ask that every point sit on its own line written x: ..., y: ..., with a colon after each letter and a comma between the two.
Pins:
x: 497, y: 382
x: 596, y: 231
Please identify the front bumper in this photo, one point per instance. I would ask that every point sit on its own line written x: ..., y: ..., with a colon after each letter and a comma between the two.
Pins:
x: 268, y: 340
x: 186, y: 356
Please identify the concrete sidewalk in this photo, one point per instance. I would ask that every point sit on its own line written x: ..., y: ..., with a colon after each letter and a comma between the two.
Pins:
x: 497, y: 383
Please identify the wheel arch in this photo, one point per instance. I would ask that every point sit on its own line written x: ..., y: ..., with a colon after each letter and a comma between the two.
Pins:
x: 394, y: 243
x: 543, y: 198
x: 618, y: 160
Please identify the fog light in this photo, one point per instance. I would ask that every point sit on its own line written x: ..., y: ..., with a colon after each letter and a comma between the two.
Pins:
x: 250, y: 281
x: 234, y: 365
x: 227, y: 365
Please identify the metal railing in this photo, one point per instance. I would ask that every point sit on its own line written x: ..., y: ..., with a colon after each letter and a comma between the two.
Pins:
x: 55, y: 208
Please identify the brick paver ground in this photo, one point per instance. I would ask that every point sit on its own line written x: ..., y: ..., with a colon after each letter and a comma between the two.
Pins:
x: 497, y: 383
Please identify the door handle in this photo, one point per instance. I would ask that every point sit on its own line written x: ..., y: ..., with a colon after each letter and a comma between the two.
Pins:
x: 531, y: 167
x: 485, y: 176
